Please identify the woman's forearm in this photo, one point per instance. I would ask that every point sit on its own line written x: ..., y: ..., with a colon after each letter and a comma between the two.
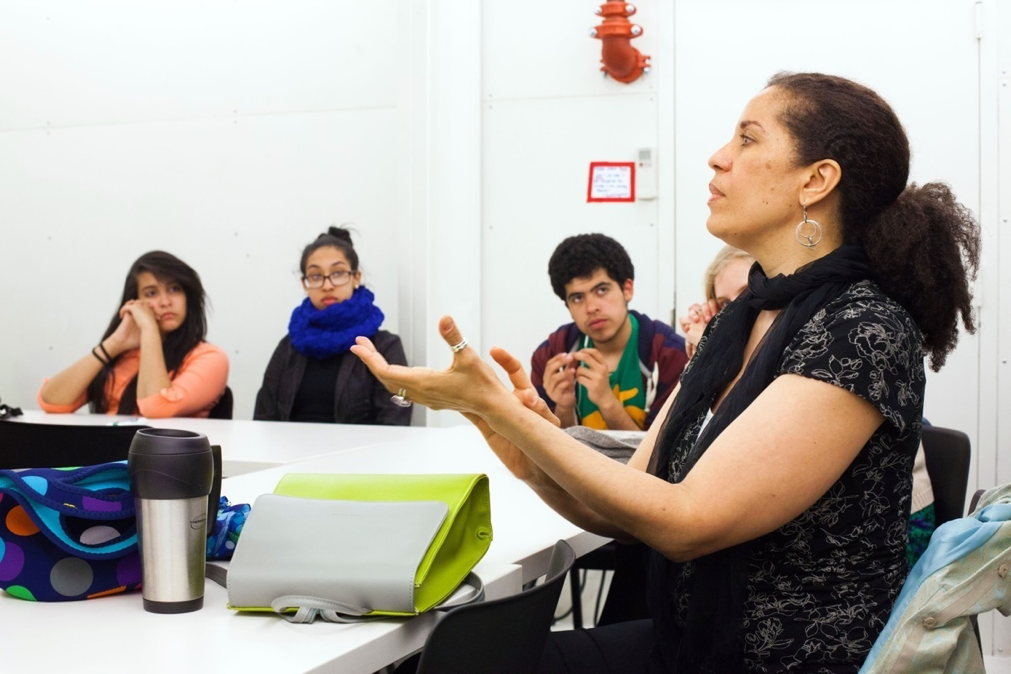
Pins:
x: 69, y: 385
x: 592, y: 490
x: 152, y: 376
x: 573, y: 510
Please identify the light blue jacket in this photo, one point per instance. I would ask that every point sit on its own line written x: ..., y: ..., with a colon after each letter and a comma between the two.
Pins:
x: 964, y: 572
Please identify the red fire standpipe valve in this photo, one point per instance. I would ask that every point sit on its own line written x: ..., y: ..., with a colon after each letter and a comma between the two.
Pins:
x: 621, y: 60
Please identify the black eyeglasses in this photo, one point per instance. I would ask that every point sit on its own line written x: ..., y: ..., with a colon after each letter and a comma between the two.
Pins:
x: 337, y: 279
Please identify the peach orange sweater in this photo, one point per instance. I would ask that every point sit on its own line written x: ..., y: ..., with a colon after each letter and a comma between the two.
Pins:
x: 196, y: 386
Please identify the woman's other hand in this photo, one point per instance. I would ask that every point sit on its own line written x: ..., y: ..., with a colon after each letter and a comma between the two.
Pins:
x: 126, y: 337
x: 143, y: 316
x: 694, y: 323
x: 507, y: 452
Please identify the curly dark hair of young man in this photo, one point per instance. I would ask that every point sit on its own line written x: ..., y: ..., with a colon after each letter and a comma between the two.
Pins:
x: 581, y: 255
x: 923, y: 245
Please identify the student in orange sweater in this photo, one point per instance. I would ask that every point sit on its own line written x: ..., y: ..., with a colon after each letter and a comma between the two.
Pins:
x: 152, y: 360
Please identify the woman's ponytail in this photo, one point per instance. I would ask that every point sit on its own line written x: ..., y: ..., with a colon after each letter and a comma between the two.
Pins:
x: 925, y: 250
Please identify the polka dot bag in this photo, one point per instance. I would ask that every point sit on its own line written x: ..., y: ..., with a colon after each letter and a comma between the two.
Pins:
x: 67, y: 534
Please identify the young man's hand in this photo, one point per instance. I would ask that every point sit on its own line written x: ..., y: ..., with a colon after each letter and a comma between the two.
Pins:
x: 560, y: 381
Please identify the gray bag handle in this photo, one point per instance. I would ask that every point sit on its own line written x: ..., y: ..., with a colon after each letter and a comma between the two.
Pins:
x: 310, y: 608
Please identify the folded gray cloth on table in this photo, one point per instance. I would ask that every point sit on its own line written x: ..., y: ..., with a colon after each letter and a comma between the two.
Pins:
x: 619, y: 445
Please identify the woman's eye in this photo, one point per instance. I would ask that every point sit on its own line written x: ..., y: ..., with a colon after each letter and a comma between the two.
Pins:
x: 175, y: 289
x: 745, y: 140
x: 315, y: 278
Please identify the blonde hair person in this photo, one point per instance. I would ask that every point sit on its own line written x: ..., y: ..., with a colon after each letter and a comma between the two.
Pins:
x: 725, y: 279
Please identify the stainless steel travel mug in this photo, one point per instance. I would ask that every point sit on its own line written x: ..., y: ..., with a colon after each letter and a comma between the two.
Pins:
x: 171, y: 473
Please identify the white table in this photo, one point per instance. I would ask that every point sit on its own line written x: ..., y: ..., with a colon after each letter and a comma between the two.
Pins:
x: 116, y: 633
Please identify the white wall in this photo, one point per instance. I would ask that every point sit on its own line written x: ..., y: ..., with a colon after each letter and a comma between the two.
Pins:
x: 227, y: 133
x: 547, y: 112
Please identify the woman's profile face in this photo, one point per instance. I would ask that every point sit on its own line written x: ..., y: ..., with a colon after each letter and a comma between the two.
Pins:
x: 165, y: 299
x: 756, y: 187
x: 324, y: 266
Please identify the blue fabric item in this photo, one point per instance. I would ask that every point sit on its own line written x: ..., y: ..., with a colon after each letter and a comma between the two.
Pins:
x: 227, y: 527
x: 68, y: 534
x: 950, y: 542
x: 321, y: 333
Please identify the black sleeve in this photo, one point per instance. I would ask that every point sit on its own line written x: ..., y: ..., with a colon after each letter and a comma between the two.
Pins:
x: 869, y: 347
x: 266, y: 408
x: 388, y: 413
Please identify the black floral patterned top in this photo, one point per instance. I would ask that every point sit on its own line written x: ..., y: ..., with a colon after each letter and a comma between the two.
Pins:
x: 821, y: 587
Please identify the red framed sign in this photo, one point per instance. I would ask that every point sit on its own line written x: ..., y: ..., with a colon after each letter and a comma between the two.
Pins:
x: 611, y: 181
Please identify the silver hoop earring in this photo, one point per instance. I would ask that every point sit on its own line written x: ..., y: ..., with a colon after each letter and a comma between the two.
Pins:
x: 808, y: 232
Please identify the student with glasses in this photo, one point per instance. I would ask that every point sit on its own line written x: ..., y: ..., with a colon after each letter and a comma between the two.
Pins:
x: 312, y: 376
x: 152, y: 359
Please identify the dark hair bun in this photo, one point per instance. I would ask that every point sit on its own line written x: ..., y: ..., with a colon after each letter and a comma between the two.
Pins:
x: 339, y: 233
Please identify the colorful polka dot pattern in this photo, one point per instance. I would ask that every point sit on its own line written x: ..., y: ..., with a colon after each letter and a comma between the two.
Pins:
x: 67, y: 534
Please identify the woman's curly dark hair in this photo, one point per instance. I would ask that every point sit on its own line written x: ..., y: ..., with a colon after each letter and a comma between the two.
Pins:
x: 923, y: 244
x: 581, y: 255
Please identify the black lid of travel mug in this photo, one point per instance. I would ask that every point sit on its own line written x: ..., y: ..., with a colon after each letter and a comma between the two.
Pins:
x: 166, y: 463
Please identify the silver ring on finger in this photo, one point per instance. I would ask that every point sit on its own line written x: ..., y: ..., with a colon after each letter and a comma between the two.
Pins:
x: 401, y: 399
x: 457, y: 348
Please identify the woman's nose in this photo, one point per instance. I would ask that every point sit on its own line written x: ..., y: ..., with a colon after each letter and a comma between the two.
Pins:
x: 720, y: 161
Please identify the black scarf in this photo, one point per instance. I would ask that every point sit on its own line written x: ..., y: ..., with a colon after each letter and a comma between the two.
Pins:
x: 716, y: 584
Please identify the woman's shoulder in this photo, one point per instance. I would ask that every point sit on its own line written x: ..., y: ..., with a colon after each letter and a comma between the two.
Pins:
x: 863, y: 303
x: 206, y: 351
x: 865, y: 342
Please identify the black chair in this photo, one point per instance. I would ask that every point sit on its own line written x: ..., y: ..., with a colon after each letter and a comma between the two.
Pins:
x: 626, y: 596
x: 947, y: 453
x: 500, y: 636
x: 223, y: 408
x: 29, y: 445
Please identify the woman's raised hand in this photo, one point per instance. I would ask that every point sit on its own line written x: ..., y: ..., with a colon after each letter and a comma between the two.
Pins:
x: 142, y: 315
x: 126, y: 336
x: 507, y: 451
x: 694, y: 323
x: 468, y: 385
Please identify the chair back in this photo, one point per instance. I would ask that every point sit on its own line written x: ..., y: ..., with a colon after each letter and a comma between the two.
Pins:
x: 947, y: 453
x: 500, y: 636
x: 223, y: 408
x: 29, y: 445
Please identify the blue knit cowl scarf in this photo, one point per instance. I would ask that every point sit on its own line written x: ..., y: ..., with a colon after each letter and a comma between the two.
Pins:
x: 321, y: 333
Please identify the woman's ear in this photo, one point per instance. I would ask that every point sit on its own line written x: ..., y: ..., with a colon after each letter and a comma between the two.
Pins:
x: 822, y: 178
